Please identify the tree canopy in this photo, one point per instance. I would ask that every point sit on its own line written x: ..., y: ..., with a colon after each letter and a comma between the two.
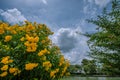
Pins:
x: 104, y: 44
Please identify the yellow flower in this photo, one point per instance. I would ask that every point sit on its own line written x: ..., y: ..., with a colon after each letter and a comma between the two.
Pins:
x: 60, y: 63
x: 40, y: 53
x: 5, y: 60
x: 22, y: 39
x: 34, y: 34
x: 30, y: 66
x: 47, y: 65
x: 57, y: 70
x: 5, y: 25
x: 45, y: 50
x: 31, y: 39
x: 13, y: 32
x: 46, y: 68
x: 10, y: 61
x: 67, y: 63
x: 34, y: 48
x: 36, y: 39
x: 8, y: 38
x: 64, y: 70
x: 1, y: 30
x: 62, y: 58
x: 19, y: 71
x: 14, y: 71
x: 40, y: 26
x: 3, y: 74
x: 27, y: 36
x: 31, y: 27
x: 43, y: 58
x: 20, y: 28
x: 33, y: 45
x: 52, y: 74
x: 43, y: 41
x: 27, y: 43
x: 48, y: 52
x: 5, y: 67
x: 29, y: 49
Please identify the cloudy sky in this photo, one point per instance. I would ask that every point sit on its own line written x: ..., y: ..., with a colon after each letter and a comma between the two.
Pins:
x: 66, y: 18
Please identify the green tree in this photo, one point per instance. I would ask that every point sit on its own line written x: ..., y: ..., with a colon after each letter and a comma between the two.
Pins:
x: 89, y: 66
x: 105, y: 43
x: 75, y: 68
x: 85, y: 66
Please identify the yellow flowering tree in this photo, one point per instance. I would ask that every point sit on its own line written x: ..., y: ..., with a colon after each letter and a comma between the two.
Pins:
x: 27, y: 53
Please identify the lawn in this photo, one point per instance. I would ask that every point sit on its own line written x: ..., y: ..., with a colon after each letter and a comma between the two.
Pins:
x: 91, y: 78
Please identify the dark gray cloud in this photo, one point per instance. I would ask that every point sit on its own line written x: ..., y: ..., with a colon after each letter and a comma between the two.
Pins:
x: 72, y: 44
x: 66, y: 41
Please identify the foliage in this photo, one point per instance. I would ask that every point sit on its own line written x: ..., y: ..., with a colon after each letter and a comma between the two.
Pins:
x: 89, y: 66
x: 75, y: 68
x: 90, y: 78
x: 27, y: 53
x: 105, y: 43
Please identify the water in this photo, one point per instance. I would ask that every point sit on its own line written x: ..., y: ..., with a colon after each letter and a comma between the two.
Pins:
x: 91, y: 78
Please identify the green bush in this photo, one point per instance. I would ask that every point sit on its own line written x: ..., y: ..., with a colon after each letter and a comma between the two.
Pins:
x: 27, y: 53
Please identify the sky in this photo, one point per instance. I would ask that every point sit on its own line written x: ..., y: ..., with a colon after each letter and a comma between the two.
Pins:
x: 66, y: 18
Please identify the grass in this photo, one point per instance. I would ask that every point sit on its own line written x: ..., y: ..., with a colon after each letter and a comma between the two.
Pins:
x: 91, y: 78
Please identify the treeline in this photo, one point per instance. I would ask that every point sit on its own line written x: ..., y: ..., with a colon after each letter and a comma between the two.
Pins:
x: 89, y: 68
x: 104, y: 44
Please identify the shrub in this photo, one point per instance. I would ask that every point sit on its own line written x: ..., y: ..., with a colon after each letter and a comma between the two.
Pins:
x: 27, y: 53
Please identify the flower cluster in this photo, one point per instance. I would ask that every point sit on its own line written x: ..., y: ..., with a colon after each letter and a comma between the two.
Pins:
x: 31, y: 43
x: 26, y: 52
x: 43, y: 52
x: 6, y: 60
x: 14, y: 71
x: 52, y: 73
x: 5, y: 69
x: 8, y: 38
x: 30, y: 66
x: 47, y: 65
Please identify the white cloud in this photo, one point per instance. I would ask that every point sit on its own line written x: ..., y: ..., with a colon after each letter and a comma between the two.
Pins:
x: 89, y: 10
x: 33, y: 2
x: 72, y: 44
x: 44, y: 1
x: 1, y: 11
x: 86, y: 10
x: 102, y: 3
x: 90, y: 1
x: 12, y: 16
